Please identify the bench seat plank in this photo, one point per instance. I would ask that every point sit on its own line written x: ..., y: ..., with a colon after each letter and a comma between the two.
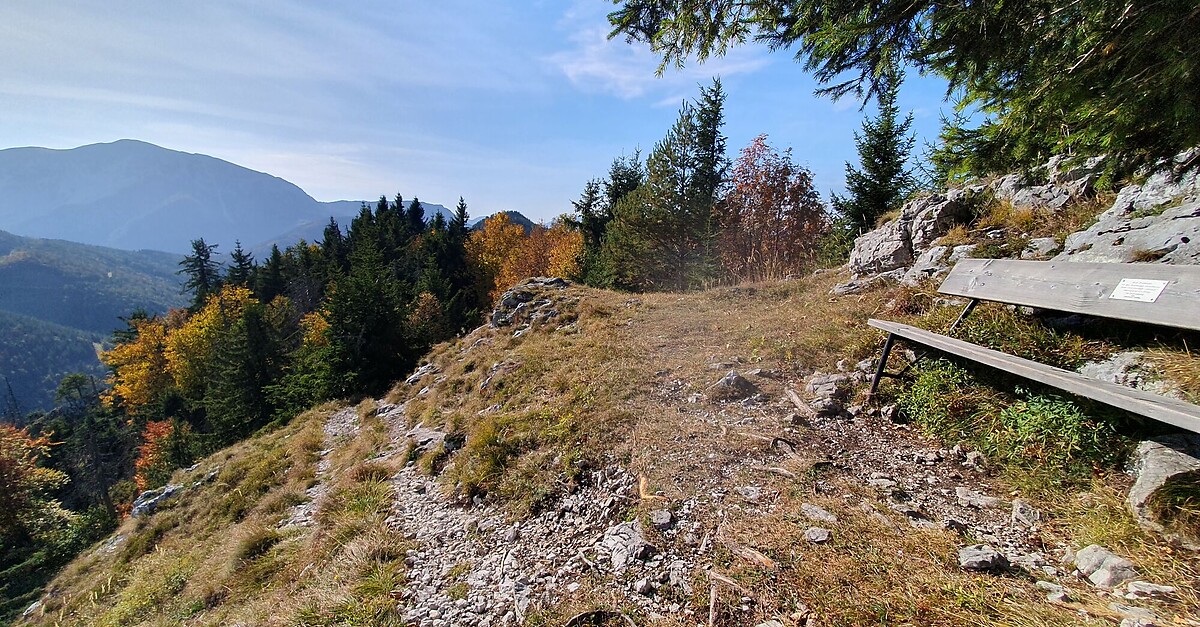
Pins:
x: 1078, y: 287
x: 1165, y: 409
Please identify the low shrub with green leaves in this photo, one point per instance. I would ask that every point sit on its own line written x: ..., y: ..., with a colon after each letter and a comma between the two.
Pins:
x: 1049, y: 440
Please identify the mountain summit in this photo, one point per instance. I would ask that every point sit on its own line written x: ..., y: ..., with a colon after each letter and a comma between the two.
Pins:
x: 134, y: 195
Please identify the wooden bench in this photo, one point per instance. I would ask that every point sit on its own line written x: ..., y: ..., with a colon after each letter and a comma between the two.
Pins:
x: 1157, y: 294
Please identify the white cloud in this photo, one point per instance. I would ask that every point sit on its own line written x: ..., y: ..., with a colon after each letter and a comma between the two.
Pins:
x: 595, y: 63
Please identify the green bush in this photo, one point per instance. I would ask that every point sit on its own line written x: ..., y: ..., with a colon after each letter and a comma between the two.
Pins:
x: 1043, y: 440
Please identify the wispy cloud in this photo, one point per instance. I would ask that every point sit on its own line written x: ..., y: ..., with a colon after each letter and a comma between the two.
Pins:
x: 595, y: 63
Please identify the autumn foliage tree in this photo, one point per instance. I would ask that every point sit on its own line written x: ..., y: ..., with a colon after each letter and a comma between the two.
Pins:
x: 190, y: 350
x: 771, y: 216
x: 139, y: 365
x: 554, y: 251
x: 489, y: 248
x: 25, y: 486
x: 153, y: 464
x: 505, y: 255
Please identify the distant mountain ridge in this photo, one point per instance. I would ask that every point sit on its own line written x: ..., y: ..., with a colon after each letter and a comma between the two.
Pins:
x: 134, y: 195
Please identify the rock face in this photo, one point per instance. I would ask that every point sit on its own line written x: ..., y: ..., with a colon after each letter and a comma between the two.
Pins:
x: 897, y: 243
x: 425, y: 439
x: 1064, y: 183
x: 1158, y: 220
x: 1157, y: 463
x: 520, y: 304
x: 147, y: 502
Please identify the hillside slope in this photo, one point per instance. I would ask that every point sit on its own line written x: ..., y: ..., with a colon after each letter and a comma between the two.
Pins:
x: 58, y: 298
x: 586, y: 454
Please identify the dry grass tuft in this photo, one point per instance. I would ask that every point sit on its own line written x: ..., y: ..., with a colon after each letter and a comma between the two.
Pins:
x: 1180, y: 367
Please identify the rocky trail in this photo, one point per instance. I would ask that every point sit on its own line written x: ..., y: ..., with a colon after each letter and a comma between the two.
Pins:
x: 339, y: 427
x: 475, y: 566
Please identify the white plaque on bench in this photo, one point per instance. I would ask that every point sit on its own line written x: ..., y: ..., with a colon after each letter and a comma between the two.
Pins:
x: 1140, y: 290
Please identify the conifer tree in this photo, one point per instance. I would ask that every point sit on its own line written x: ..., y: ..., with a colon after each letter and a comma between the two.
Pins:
x: 662, y: 234
x: 594, y: 212
x: 202, y: 271
x: 1079, y: 77
x: 270, y: 281
x: 366, y: 340
x: 363, y: 228
x: 241, y: 266
x: 458, y: 226
x: 624, y: 175
x: 883, y: 179
x: 246, y: 362
x: 334, y: 247
x: 415, y: 216
x: 591, y: 216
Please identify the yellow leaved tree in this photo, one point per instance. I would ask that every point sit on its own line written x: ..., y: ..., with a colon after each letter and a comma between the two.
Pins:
x: 190, y: 349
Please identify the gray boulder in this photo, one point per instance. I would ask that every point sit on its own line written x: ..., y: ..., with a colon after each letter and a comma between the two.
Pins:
x: 934, y: 216
x: 1025, y: 514
x: 425, y: 439
x: 897, y: 243
x: 147, y: 502
x: 624, y: 544
x: 662, y: 519
x: 733, y: 386
x: 828, y: 407
x: 888, y: 247
x: 972, y: 498
x: 1158, y: 463
x: 836, y: 385
x: 817, y: 535
x: 981, y: 557
x: 862, y: 284
x: 817, y: 514
x: 1103, y: 568
x: 936, y: 262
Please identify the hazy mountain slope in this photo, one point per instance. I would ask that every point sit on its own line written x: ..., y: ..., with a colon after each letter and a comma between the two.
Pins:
x: 35, y: 355
x: 81, y: 286
x: 314, y: 230
x: 132, y: 195
x: 60, y: 297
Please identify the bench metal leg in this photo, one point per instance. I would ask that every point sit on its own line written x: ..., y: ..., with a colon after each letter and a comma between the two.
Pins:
x: 962, y: 316
x: 887, y: 349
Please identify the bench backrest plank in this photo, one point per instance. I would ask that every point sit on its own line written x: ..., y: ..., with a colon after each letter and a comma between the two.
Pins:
x: 1085, y: 288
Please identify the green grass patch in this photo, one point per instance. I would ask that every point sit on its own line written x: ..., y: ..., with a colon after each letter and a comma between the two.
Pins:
x: 1044, y: 441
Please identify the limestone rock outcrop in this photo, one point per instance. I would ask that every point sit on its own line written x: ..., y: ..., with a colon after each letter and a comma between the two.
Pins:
x: 898, y: 243
x: 1157, y: 464
x: 1158, y: 220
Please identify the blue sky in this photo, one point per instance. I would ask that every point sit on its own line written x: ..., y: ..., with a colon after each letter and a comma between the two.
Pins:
x: 513, y: 105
